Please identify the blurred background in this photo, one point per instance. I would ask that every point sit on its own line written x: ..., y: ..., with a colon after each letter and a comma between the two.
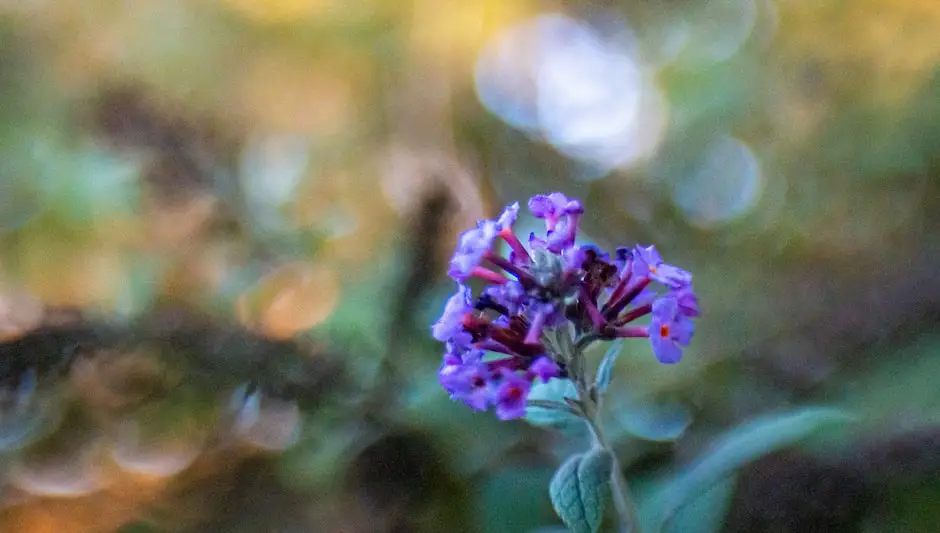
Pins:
x: 224, y: 227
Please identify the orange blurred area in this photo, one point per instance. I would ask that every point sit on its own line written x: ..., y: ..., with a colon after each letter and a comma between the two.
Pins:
x: 64, y: 272
x: 124, y: 498
x: 290, y: 300
x: 314, y: 95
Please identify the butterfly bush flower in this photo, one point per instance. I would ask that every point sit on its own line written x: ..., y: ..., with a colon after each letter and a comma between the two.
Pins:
x: 506, y: 337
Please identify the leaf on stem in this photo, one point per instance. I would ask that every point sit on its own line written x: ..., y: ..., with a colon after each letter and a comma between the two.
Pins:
x: 594, y: 483
x: 651, y: 422
x: 606, y: 369
x: 548, y: 404
x: 579, y: 490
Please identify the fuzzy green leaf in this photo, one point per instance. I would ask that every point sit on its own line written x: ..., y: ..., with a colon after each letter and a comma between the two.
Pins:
x: 593, y: 482
x: 606, y: 369
x: 579, y: 490
x: 654, y: 422
x: 565, y: 493
x: 543, y: 395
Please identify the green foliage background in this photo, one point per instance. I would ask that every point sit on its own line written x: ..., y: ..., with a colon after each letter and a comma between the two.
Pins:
x: 201, y: 198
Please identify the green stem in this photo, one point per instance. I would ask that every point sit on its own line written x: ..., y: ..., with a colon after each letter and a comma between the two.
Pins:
x: 585, y: 340
x: 620, y: 490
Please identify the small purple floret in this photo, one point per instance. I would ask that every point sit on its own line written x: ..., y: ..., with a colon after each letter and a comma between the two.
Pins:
x: 508, y: 217
x: 553, y: 206
x: 466, y: 378
x: 574, y: 257
x: 668, y: 330
x: 621, y: 257
x: 511, y: 395
x: 645, y: 297
x: 511, y: 295
x: 687, y: 301
x: 450, y: 326
x: 648, y: 263
x: 564, y: 233
x: 470, y: 249
x: 474, y: 243
x: 543, y: 368
x: 542, y: 314
x: 561, y: 216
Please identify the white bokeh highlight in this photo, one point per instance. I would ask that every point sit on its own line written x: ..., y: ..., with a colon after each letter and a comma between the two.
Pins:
x: 726, y: 183
x: 585, y: 93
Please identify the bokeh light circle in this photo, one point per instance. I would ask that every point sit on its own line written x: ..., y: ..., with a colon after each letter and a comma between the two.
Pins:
x: 584, y: 92
x: 725, y: 184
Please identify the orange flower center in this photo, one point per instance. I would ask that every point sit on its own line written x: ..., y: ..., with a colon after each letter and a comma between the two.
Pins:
x: 664, y: 330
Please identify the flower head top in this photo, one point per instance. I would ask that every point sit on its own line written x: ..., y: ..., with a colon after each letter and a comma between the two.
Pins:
x: 475, y: 244
x: 561, y: 216
x: 553, y: 283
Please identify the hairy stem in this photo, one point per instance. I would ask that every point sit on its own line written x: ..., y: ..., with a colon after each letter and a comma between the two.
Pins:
x: 620, y: 490
x: 585, y: 340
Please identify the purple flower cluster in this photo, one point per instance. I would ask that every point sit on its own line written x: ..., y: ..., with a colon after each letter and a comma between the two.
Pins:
x: 550, y: 283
